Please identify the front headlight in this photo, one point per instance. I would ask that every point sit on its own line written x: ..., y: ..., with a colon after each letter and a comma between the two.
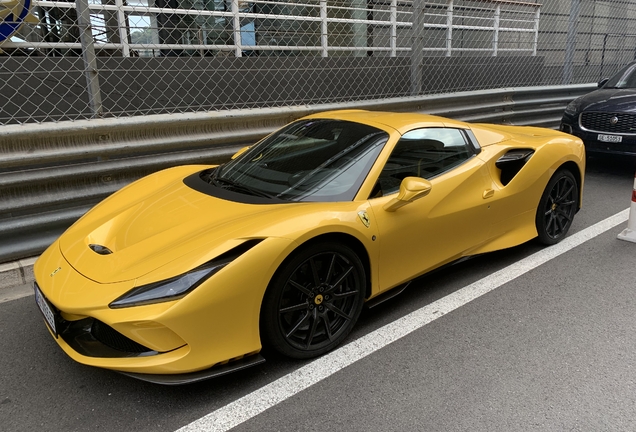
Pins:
x: 177, y: 287
x: 167, y: 290
x: 573, y: 107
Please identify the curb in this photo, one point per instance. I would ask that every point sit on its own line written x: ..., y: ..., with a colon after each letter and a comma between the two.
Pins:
x: 17, y: 273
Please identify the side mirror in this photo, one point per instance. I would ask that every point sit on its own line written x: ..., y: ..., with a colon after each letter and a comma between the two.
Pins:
x: 240, y: 152
x: 602, y: 82
x: 411, y: 189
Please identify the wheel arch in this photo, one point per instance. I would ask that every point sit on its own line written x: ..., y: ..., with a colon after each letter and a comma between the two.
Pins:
x: 339, y: 237
x: 576, y: 172
x: 269, y: 340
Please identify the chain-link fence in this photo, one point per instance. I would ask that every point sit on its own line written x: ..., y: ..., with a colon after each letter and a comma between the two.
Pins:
x: 64, y: 60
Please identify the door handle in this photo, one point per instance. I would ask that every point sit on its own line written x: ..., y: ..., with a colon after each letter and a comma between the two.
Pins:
x: 488, y: 193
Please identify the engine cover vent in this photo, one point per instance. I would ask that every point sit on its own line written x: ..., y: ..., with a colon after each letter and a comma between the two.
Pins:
x: 102, y: 250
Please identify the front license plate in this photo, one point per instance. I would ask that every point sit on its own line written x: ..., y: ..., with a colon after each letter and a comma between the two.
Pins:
x: 610, y: 138
x: 45, y: 308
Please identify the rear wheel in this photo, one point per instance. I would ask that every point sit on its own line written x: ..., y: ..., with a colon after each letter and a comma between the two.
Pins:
x: 313, y: 301
x: 557, y: 207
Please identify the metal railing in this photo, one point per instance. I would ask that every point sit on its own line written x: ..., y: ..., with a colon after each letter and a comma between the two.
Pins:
x: 52, y: 173
x: 317, y: 20
x: 83, y: 59
x: 95, y: 58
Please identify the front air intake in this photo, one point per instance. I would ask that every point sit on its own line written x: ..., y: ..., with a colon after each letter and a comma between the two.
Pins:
x: 112, y: 338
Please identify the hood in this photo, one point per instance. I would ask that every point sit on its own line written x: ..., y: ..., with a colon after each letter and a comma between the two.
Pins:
x: 151, y: 223
x: 609, y: 100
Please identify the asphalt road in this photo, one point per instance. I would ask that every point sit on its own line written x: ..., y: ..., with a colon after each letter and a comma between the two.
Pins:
x: 551, y: 350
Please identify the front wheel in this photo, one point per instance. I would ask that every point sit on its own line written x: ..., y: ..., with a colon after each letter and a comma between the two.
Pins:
x: 313, y: 301
x: 557, y: 207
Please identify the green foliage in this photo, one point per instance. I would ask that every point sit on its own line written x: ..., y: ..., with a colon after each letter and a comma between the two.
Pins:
x: 143, y: 36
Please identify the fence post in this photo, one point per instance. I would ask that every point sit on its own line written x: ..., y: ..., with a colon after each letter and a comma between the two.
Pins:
x: 359, y: 27
x: 570, y: 47
x: 603, y: 56
x: 88, y: 54
x: 236, y: 23
x: 495, y: 36
x: 324, y: 28
x: 449, y: 28
x: 417, y: 47
x: 393, y: 28
x: 537, y: 15
x: 123, y: 28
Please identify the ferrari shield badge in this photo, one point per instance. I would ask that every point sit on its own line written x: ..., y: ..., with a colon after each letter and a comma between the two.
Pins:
x: 364, y: 217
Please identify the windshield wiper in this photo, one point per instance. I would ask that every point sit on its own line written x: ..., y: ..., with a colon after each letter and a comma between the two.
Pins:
x: 222, y: 181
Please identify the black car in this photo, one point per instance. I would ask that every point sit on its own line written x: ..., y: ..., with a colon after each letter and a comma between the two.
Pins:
x: 606, y: 118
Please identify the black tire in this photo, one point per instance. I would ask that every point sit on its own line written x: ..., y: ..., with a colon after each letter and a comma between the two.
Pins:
x: 557, y: 207
x: 313, y: 301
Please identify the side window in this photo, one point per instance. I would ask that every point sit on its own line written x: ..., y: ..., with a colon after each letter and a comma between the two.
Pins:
x: 423, y: 153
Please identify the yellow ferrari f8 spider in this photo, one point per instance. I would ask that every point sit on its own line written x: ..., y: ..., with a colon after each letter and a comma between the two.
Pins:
x: 187, y: 273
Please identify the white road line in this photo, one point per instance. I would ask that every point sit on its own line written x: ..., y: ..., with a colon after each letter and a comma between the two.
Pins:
x: 251, y: 405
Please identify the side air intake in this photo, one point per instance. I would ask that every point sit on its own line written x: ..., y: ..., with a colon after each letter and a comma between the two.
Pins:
x: 512, y: 162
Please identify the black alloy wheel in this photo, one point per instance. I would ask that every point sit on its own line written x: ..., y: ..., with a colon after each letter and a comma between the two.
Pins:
x: 314, y: 301
x: 558, y: 205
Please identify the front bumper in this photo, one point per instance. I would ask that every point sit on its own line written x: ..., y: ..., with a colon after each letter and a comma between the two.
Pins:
x: 627, y: 146
x: 215, y: 325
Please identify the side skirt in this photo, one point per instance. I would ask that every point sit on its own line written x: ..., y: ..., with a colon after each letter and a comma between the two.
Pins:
x: 387, y: 295
x: 393, y: 292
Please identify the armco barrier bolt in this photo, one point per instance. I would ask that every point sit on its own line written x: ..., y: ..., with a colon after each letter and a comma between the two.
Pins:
x: 629, y: 233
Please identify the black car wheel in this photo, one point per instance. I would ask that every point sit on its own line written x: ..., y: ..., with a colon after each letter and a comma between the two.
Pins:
x: 557, y: 207
x: 313, y: 301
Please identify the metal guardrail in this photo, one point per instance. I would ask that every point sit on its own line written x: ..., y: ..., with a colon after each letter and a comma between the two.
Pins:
x: 52, y: 173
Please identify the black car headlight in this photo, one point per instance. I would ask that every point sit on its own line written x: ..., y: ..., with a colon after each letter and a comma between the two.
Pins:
x: 573, y: 107
x: 179, y: 286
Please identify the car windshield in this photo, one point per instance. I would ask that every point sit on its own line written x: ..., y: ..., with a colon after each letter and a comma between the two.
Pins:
x: 625, y: 78
x: 309, y: 160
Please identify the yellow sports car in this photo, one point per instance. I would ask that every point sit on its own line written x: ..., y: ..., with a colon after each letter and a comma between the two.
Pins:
x: 187, y: 273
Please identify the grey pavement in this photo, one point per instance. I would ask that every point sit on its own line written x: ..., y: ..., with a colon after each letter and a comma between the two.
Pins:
x: 16, y: 273
x: 552, y: 350
x: 15, y: 292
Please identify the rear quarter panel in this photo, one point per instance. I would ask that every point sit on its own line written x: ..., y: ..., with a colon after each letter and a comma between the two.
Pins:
x: 514, y: 205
